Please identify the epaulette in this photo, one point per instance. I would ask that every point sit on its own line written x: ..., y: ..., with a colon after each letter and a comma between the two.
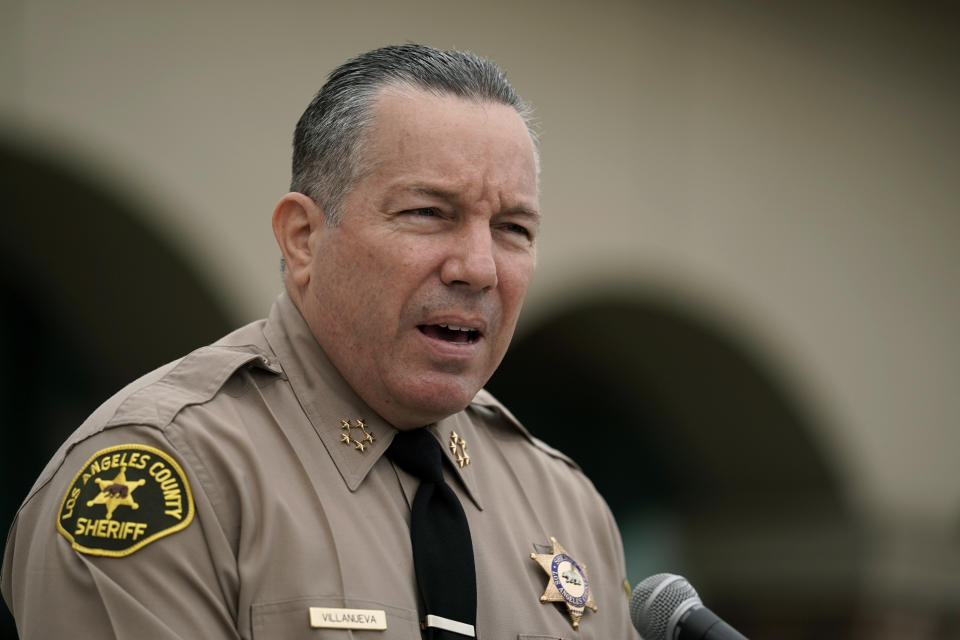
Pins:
x: 157, y: 397
x: 486, y: 400
x: 195, y: 379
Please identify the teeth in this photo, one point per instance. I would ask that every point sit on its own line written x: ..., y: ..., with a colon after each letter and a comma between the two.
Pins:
x: 453, y: 328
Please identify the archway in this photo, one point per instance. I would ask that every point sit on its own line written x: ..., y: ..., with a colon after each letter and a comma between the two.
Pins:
x: 92, y: 298
x: 709, y: 462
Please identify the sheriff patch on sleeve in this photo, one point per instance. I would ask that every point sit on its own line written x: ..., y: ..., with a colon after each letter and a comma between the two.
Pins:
x: 124, y: 498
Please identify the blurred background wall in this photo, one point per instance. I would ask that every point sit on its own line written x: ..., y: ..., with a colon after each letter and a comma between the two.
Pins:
x: 744, y: 324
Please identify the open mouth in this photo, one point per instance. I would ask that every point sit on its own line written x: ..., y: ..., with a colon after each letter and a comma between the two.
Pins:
x: 450, y: 333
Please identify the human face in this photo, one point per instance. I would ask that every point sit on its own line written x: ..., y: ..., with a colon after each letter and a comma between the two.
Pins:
x: 415, y: 294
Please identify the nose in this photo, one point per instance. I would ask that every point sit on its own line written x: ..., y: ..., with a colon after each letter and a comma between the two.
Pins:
x: 471, y: 262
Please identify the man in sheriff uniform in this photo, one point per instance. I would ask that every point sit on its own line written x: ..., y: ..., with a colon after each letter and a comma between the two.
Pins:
x: 253, y: 489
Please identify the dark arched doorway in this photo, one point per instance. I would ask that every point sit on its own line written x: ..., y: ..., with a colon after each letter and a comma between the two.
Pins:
x: 92, y: 298
x: 709, y: 462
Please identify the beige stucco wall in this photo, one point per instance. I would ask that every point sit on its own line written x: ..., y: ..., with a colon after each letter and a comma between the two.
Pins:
x: 792, y: 173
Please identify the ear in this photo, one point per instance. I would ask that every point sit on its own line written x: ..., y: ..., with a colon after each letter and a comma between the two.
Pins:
x: 295, y: 219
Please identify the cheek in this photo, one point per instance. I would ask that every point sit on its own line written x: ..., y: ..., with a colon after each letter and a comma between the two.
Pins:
x: 387, y: 279
x: 349, y: 284
x: 367, y: 264
x: 515, y: 274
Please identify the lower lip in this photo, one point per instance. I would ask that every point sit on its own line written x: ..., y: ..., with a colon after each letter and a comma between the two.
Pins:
x: 452, y: 350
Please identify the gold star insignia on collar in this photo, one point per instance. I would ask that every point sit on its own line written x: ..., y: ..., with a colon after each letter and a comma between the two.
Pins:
x: 458, y: 447
x: 568, y: 582
x: 360, y: 444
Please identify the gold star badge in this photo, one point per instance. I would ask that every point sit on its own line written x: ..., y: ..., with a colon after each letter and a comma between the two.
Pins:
x: 568, y: 582
x: 116, y: 492
x: 458, y: 447
x: 360, y: 444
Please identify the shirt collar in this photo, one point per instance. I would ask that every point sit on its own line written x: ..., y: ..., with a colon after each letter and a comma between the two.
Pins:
x: 444, y: 431
x: 329, y: 401
x: 325, y: 396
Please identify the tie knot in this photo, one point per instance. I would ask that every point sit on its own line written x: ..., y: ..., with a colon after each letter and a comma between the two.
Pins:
x: 418, y: 453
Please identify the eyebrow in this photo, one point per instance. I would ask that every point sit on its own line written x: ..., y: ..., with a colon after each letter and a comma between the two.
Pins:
x: 452, y: 196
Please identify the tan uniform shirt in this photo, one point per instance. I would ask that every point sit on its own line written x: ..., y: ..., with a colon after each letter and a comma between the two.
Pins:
x: 228, y: 476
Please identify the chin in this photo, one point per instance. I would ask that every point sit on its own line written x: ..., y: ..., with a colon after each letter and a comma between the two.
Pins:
x: 433, y: 400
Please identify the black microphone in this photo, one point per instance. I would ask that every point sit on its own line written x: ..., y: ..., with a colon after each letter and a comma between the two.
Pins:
x: 667, y: 607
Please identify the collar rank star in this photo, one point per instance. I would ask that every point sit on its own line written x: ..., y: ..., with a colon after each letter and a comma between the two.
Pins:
x: 458, y: 447
x: 359, y: 443
x: 568, y: 582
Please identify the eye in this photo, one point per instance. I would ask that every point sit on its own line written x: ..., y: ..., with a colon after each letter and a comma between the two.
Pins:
x: 519, y: 229
x: 427, y: 212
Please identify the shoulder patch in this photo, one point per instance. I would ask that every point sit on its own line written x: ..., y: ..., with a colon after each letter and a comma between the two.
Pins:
x: 124, y: 498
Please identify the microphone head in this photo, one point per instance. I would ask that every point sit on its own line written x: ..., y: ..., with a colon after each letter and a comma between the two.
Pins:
x: 658, y: 602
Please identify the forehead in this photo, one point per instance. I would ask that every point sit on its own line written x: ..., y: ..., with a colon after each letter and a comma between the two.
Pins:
x: 420, y: 136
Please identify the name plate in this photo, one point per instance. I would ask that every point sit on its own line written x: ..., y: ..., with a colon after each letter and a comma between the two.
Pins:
x: 331, y: 618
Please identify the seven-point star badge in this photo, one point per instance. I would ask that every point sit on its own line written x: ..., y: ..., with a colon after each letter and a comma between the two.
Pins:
x: 568, y: 582
x: 116, y: 492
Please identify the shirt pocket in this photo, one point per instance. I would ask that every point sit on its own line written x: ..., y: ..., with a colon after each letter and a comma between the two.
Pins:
x: 290, y: 620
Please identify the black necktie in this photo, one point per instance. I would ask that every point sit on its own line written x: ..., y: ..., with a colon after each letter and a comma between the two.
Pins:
x: 442, y: 549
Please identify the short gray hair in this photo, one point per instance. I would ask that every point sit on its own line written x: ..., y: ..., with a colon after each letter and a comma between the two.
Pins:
x: 328, y: 142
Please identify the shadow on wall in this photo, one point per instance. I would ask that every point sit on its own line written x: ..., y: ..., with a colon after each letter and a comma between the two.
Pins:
x: 709, y: 464
x: 92, y: 299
